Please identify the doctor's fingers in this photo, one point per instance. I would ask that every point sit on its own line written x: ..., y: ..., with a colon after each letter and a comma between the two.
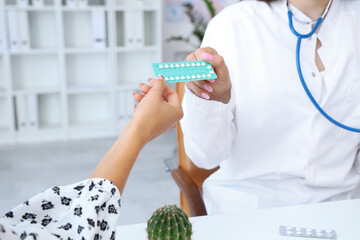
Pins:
x: 210, y: 55
x: 205, y: 53
x: 199, y: 54
x: 219, y: 66
x: 205, y: 85
x: 198, y: 91
x: 191, y: 57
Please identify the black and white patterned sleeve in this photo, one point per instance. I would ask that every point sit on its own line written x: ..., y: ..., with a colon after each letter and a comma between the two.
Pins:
x: 84, y: 210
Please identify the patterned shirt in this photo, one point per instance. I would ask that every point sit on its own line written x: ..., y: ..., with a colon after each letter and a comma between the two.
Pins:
x: 84, y: 210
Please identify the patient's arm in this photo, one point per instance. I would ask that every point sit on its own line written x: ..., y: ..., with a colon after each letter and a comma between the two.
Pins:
x: 118, y: 162
x: 158, y: 111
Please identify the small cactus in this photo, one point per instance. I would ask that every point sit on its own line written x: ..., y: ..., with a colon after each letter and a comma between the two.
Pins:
x: 169, y: 223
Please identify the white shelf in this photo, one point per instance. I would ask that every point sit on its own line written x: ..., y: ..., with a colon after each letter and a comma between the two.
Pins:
x: 4, y: 119
x: 31, y: 8
x: 29, y: 73
x: 86, y: 50
x: 4, y: 130
x: 90, y: 3
x: 88, y: 89
x: 85, y: 9
x: 87, y: 70
x: 78, y: 29
x: 128, y: 87
x: 41, y: 135
x: 76, y: 85
x: 149, y: 30
x: 98, y: 130
x: 43, y: 115
x: 13, y: 3
x: 136, y: 3
x: 40, y: 90
x: 49, y: 112
x: 34, y: 52
x: 142, y: 49
x: 3, y: 93
x: 131, y: 8
x: 89, y: 109
x: 133, y: 71
x: 120, y: 31
x: 2, y: 74
x: 5, y: 137
x: 96, y: 126
x: 42, y: 30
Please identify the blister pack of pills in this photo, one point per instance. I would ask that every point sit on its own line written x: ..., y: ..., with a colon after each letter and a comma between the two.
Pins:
x: 184, y: 71
x: 307, y: 232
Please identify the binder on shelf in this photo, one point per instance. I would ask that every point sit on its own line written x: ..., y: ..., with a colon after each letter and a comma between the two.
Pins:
x: 122, y: 111
x: 24, y: 34
x: 83, y: 3
x: 139, y: 29
x: 22, y: 3
x: 99, y: 34
x: 38, y: 3
x: 33, y: 112
x: 13, y: 30
x: 21, y: 112
x: 140, y: 2
x: 134, y: 28
x: 1, y: 40
x: 130, y: 104
x: 72, y: 3
x: 128, y: 29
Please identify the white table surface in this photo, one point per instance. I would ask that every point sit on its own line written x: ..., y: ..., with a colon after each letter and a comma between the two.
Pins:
x: 342, y: 216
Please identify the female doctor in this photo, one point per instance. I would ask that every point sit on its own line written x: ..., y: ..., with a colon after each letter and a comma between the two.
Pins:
x: 256, y: 122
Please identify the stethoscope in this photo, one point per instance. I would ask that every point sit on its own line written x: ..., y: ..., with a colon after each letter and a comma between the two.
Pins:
x: 300, y: 37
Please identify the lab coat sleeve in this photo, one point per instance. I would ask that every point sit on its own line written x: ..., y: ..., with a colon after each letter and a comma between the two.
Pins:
x: 208, y: 126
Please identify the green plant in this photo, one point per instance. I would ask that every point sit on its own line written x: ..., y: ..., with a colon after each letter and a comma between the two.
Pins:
x: 169, y: 223
x: 197, y: 20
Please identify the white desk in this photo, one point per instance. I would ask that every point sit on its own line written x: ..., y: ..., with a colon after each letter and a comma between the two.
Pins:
x: 342, y: 216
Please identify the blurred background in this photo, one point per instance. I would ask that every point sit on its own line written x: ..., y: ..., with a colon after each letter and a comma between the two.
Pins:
x: 67, y: 71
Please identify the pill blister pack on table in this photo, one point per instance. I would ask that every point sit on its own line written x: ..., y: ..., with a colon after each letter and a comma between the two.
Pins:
x: 185, y: 71
x: 307, y: 232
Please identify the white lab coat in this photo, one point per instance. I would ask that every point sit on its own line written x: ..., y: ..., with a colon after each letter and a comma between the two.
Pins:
x: 273, y: 147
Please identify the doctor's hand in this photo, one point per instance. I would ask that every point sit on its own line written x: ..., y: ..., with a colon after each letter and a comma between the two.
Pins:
x: 158, y: 111
x: 215, y: 89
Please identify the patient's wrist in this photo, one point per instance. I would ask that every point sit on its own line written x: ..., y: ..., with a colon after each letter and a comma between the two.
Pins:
x: 136, y: 132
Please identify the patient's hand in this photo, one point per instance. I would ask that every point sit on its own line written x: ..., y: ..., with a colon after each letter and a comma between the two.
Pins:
x: 158, y: 110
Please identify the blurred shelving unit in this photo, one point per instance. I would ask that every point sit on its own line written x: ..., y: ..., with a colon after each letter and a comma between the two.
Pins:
x: 68, y: 67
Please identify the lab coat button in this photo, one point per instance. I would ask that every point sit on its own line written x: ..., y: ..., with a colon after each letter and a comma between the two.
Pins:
x: 313, y: 74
